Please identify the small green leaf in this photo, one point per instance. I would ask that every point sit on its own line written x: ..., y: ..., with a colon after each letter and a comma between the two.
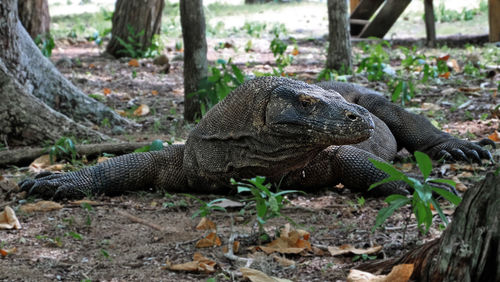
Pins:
x: 394, y: 197
x: 387, y: 168
x: 273, y: 204
x: 386, y: 212
x: 454, y: 199
x: 383, y: 181
x: 439, y: 211
x: 424, y: 163
x: 445, y: 181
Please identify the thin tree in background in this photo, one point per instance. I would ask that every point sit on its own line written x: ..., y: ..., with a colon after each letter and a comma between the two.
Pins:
x: 430, y: 23
x: 35, y: 17
x: 195, y: 54
x: 339, y: 38
x: 134, y: 23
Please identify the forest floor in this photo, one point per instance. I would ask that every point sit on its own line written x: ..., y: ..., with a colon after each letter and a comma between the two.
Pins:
x: 104, y: 241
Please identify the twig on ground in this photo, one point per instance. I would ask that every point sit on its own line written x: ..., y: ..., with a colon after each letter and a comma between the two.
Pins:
x: 230, y: 252
x: 140, y: 220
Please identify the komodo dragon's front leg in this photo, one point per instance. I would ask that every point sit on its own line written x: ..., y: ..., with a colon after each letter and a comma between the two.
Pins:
x: 160, y: 169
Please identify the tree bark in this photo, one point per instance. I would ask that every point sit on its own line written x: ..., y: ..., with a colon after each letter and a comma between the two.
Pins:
x: 26, y: 120
x: 195, y: 54
x: 35, y: 17
x: 494, y: 19
x: 430, y: 23
x: 27, y: 71
x: 469, y: 249
x: 135, y: 22
x: 339, y: 38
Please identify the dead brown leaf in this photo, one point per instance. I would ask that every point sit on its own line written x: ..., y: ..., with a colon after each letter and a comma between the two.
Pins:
x: 7, y: 185
x: 347, y: 248
x: 40, y: 163
x: 106, y: 91
x: 199, y: 264
x: 459, y: 185
x: 6, y: 252
x: 399, y: 273
x: 211, y: 240
x: 283, y: 261
x: 205, y: 224
x: 289, y: 242
x: 142, y: 110
x: 8, y: 219
x: 495, y: 136
x: 453, y: 64
x: 79, y: 202
x: 259, y: 276
x: 42, y: 206
x: 133, y: 63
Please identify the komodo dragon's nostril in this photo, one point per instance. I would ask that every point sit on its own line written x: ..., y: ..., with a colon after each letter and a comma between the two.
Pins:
x: 351, y: 116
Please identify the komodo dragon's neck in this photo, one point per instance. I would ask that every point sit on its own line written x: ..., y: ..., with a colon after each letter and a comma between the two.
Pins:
x: 269, y: 126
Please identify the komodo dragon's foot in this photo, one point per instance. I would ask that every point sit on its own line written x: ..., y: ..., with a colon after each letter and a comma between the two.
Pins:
x: 462, y: 150
x: 55, y: 185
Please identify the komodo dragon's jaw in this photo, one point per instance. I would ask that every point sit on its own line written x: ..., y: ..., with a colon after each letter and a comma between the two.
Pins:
x: 318, y: 116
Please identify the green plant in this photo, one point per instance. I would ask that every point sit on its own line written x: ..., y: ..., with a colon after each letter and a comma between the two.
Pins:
x: 156, y: 145
x: 331, y: 75
x: 376, y: 63
x: 421, y: 199
x: 363, y: 257
x: 222, y: 79
x: 105, y: 254
x: 74, y: 235
x: 64, y: 148
x: 404, y: 90
x: 133, y: 47
x: 278, y: 47
x: 268, y: 204
x: 45, y: 43
x: 56, y: 241
x: 254, y: 29
x: 88, y: 209
x: 206, y: 208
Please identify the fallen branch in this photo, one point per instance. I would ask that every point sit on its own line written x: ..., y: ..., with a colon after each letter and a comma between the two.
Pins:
x: 140, y: 220
x: 26, y: 155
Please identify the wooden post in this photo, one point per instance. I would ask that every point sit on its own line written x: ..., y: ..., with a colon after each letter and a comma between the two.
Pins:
x: 353, y: 5
x: 430, y: 24
x: 494, y: 19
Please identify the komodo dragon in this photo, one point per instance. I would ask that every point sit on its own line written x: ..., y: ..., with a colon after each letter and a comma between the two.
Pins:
x: 283, y: 129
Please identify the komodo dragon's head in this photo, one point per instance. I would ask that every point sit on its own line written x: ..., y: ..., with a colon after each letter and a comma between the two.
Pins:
x: 319, y: 116
x: 270, y: 125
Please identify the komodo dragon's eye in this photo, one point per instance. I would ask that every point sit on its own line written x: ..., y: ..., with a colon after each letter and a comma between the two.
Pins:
x: 307, y: 101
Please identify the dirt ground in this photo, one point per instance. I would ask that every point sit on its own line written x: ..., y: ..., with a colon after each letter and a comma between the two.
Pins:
x: 102, y: 243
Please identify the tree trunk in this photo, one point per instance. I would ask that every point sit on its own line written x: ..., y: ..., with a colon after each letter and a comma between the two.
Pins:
x: 494, y: 19
x: 135, y: 22
x: 195, y: 54
x: 25, y: 120
x: 339, y: 38
x: 30, y: 72
x: 430, y: 23
x: 469, y: 249
x: 35, y: 17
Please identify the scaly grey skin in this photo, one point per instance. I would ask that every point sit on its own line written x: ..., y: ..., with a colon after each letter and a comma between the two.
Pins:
x: 306, y: 136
